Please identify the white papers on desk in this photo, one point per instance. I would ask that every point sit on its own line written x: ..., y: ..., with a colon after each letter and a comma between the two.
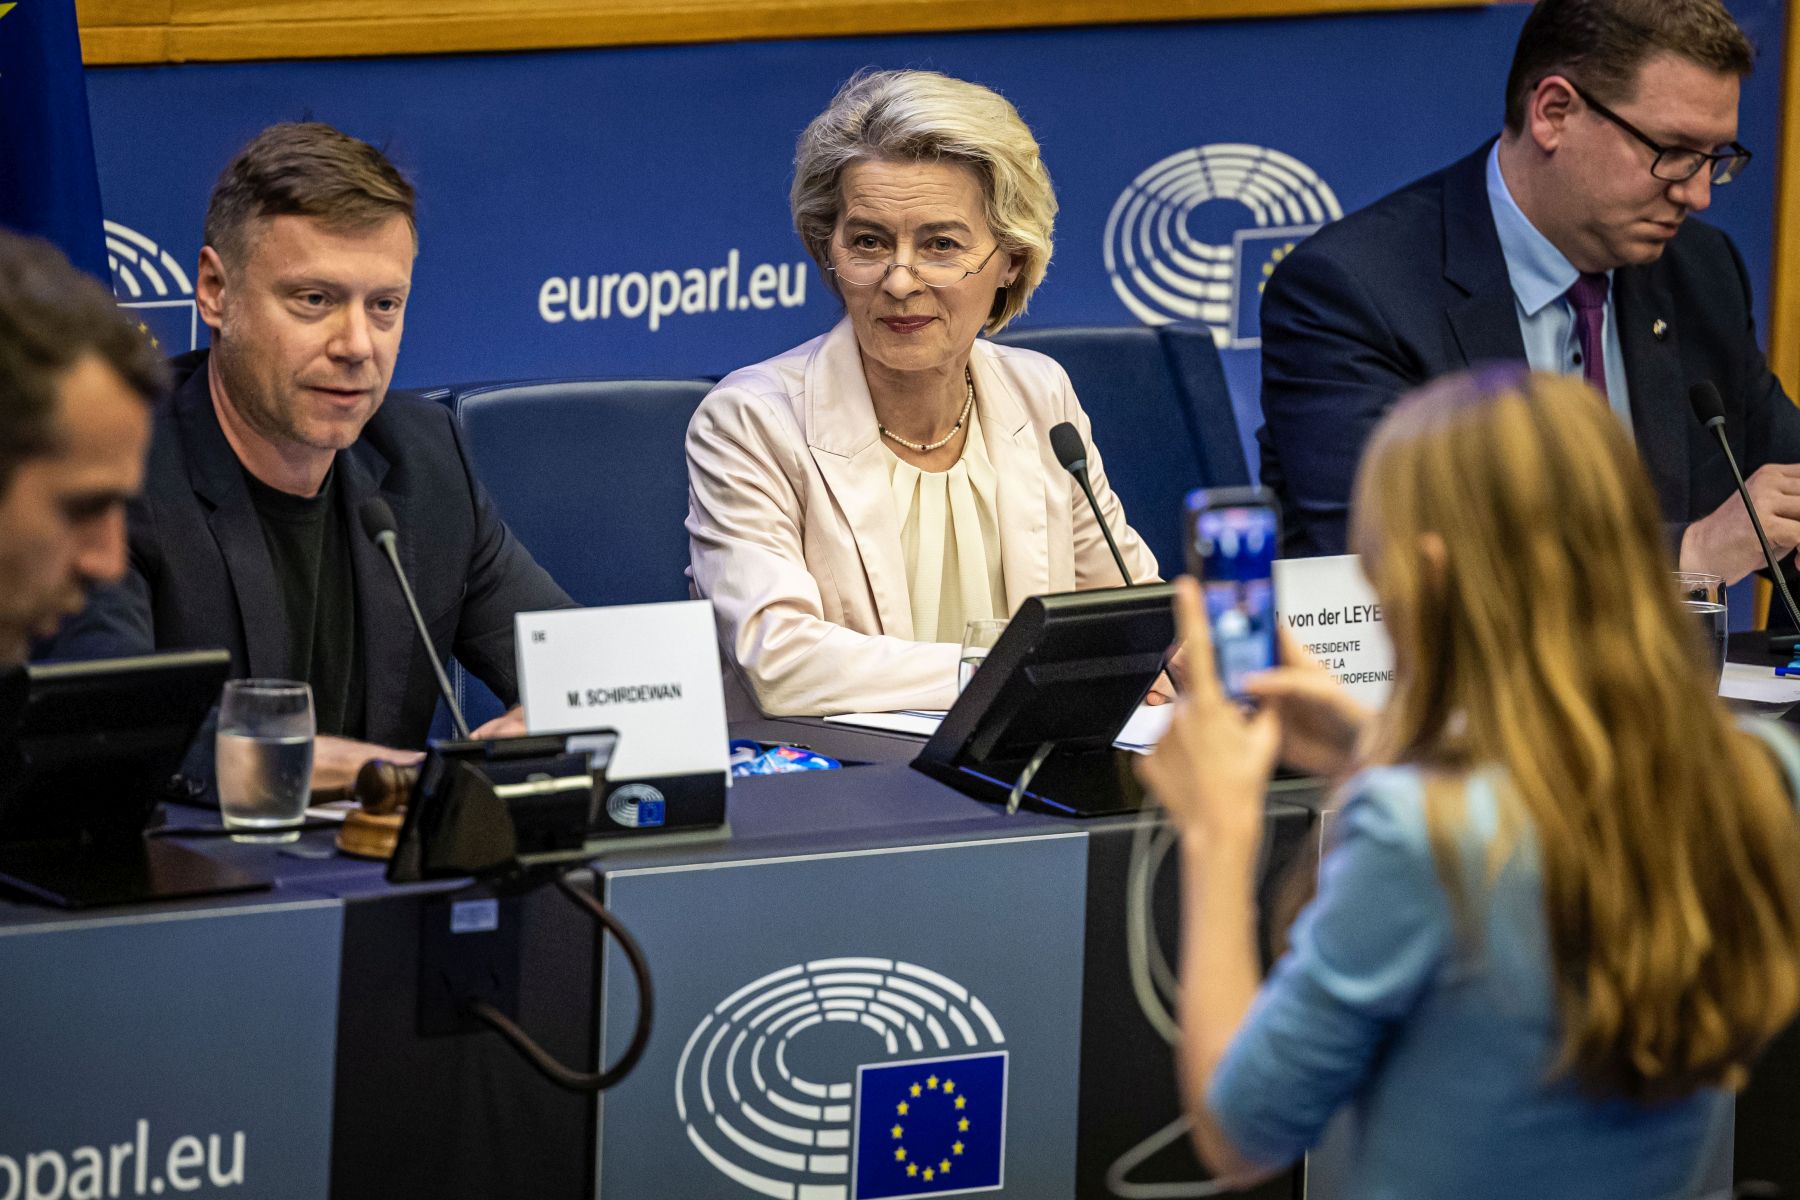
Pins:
x: 1146, y: 727
x: 1759, y: 685
x: 1751, y: 686
x: 915, y: 724
x: 1141, y: 732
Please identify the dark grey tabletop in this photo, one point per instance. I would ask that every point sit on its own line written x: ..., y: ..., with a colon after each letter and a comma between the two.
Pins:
x: 883, y: 803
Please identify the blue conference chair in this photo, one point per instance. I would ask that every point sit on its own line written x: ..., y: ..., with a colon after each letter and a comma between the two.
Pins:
x: 1206, y: 400
x: 1161, y: 415
x: 591, y: 475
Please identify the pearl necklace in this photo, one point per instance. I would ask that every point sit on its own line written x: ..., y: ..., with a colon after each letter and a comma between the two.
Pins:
x: 927, y: 447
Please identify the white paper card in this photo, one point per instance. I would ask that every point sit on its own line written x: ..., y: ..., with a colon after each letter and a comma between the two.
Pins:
x: 1141, y: 732
x: 918, y: 724
x: 1328, y: 605
x: 650, y: 671
x: 1758, y: 685
x: 1146, y: 727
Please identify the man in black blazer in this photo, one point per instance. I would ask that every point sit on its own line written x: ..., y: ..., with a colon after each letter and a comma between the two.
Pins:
x: 1620, y: 119
x: 248, y: 533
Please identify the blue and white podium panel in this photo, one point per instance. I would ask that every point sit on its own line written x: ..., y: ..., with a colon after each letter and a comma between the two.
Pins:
x: 853, y: 1026
x: 175, y: 1054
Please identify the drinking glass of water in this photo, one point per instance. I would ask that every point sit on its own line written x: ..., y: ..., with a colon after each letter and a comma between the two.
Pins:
x: 264, y: 758
x: 978, y: 638
x: 1704, y: 596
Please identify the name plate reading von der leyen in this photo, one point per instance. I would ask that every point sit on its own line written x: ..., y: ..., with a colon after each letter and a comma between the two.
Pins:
x: 1328, y: 605
x: 650, y: 671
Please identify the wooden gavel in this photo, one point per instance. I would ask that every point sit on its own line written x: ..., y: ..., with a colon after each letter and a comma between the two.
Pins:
x: 373, y: 828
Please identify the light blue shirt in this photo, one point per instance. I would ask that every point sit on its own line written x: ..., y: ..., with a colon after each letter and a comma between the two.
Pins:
x: 1439, y: 1047
x: 1541, y: 278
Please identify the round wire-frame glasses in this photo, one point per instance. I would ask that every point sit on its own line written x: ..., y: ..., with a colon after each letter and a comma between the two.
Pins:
x: 867, y: 272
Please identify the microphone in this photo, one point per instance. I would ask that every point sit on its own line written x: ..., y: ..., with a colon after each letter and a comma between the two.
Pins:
x: 378, y: 523
x: 1071, y: 452
x: 1709, y: 409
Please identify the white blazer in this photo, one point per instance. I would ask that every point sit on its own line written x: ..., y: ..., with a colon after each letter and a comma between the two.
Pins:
x: 794, y: 538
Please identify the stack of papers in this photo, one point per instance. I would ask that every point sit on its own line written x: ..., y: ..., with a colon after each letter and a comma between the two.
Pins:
x: 1141, y: 733
x: 1748, y: 686
x: 914, y: 722
x: 1758, y: 686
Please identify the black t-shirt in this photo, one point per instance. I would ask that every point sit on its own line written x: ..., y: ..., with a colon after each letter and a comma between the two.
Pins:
x: 308, y: 539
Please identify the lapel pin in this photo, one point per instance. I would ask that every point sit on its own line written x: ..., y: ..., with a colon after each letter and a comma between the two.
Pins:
x: 1659, y: 329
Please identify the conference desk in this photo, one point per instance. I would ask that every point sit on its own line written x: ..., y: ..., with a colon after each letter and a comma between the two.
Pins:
x: 268, y: 1044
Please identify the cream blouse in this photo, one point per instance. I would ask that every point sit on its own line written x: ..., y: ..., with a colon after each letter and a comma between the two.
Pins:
x: 950, y: 540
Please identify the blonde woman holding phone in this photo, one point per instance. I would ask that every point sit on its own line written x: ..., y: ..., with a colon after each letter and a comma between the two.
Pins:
x: 1559, y: 912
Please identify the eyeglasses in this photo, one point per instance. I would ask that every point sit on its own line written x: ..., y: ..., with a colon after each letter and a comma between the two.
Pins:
x: 1675, y: 164
x: 933, y: 273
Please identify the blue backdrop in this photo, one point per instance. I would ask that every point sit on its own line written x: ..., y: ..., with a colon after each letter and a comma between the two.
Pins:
x: 624, y: 212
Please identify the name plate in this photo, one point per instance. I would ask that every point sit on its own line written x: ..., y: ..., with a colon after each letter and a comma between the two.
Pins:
x: 650, y: 671
x: 1328, y: 605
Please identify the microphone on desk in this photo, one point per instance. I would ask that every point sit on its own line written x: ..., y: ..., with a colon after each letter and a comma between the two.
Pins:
x: 1071, y: 452
x: 1709, y: 409
x: 378, y: 523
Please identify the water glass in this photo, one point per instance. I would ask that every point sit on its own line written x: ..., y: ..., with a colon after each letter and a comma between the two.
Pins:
x: 1704, y: 596
x: 264, y: 755
x: 978, y: 638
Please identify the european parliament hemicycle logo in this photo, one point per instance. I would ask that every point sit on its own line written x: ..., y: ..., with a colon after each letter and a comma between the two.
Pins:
x: 848, y: 1079
x: 1195, y: 236
x: 147, y: 279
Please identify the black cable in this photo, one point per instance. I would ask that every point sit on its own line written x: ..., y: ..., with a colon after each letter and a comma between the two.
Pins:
x: 537, y: 1056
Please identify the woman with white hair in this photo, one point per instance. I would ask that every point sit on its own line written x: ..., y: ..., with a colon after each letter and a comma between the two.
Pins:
x: 854, y: 502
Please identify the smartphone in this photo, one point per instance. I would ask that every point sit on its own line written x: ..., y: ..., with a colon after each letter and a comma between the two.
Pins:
x: 1232, y: 538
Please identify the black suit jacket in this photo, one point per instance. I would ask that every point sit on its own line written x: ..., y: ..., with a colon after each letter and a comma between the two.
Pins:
x: 1415, y: 285
x: 201, y: 574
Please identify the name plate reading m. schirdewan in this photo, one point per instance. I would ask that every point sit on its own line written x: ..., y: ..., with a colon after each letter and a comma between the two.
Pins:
x: 650, y: 671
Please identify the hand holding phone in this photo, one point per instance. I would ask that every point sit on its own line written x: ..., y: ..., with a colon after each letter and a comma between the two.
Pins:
x: 1233, y: 535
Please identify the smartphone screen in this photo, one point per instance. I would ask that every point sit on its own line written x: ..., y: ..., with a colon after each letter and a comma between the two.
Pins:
x: 1233, y: 550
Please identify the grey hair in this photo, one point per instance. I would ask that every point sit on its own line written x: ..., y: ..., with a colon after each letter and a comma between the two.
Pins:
x: 924, y: 116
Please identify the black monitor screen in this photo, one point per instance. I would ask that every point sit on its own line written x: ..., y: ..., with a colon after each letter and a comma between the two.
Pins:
x: 1070, y: 669
x: 88, y: 748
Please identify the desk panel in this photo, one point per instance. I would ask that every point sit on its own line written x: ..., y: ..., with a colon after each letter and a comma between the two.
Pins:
x: 785, y: 985
x: 187, y: 1052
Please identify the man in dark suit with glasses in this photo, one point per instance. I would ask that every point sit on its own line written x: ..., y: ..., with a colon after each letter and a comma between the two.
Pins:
x: 1566, y: 242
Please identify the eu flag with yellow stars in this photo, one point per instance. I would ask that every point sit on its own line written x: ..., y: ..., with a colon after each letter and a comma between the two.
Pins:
x: 931, y: 1127
x: 48, y: 183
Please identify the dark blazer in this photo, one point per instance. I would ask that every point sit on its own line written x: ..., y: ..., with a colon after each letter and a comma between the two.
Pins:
x: 1416, y: 285
x: 201, y: 575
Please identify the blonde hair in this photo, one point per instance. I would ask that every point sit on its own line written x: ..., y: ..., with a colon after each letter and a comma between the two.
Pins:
x: 1516, y: 545
x: 922, y: 116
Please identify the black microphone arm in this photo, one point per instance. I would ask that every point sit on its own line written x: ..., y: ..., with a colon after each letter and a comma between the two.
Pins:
x: 1709, y: 408
x: 1065, y: 439
x: 378, y: 523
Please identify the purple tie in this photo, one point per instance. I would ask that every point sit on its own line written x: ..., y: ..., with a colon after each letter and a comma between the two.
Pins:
x: 1588, y: 295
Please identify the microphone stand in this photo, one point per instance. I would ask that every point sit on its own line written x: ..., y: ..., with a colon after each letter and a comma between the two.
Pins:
x: 386, y: 539
x: 1789, y: 643
x: 1081, y: 477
